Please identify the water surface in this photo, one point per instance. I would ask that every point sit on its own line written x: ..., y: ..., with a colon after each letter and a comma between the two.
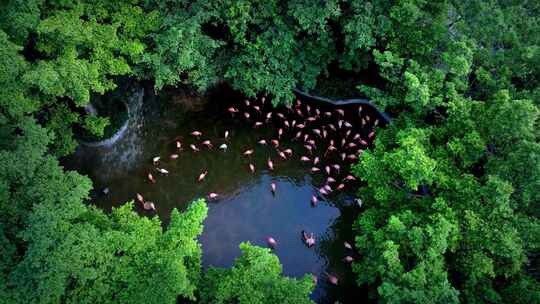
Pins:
x: 246, y: 209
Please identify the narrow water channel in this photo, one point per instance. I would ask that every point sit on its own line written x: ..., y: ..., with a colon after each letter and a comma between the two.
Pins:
x: 246, y: 209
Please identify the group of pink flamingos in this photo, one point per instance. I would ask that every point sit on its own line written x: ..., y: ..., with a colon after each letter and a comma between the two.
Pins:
x: 329, y: 138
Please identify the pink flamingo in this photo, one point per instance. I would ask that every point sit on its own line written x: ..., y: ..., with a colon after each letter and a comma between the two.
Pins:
x: 349, y: 178
x: 208, y: 144
x: 148, y: 205
x: 331, y: 278
x: 309, y: 239
x: 232, y: 110
x: 270, y: 164
x: 140, y: 198
x: 202, y: 176
x: 330, y: 149
x: 348, y: 259
x: 162, y: 171
x: 314, y: 200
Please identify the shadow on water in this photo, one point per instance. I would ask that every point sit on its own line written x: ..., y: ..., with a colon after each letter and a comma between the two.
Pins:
x: 246, y: 209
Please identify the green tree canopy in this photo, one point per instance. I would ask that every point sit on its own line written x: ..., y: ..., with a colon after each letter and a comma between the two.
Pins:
x: 450, y: 183
x: 77, y: 254
x: 255, y: 277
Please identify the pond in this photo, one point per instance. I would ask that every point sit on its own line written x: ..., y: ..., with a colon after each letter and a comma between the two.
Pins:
x: 246, y: 209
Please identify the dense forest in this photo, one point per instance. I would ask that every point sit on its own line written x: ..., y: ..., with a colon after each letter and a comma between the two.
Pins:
x: 451, y: 188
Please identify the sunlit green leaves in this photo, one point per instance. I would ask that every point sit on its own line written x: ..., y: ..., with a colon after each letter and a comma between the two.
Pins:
x: 254, y: 278
x: 464, y: 132
x: 78, y: 254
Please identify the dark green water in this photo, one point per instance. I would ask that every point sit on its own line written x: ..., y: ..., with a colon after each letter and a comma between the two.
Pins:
x: 246, y: 209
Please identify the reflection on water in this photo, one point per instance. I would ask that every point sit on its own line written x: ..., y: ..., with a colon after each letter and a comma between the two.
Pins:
x: 123, y: 150
x: 246, y: 209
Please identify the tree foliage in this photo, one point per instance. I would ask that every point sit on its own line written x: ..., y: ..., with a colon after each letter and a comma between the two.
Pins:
x: 451, y: 187
x: 59, y: 53
x: 255, y: 277
x: 451, y: 183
